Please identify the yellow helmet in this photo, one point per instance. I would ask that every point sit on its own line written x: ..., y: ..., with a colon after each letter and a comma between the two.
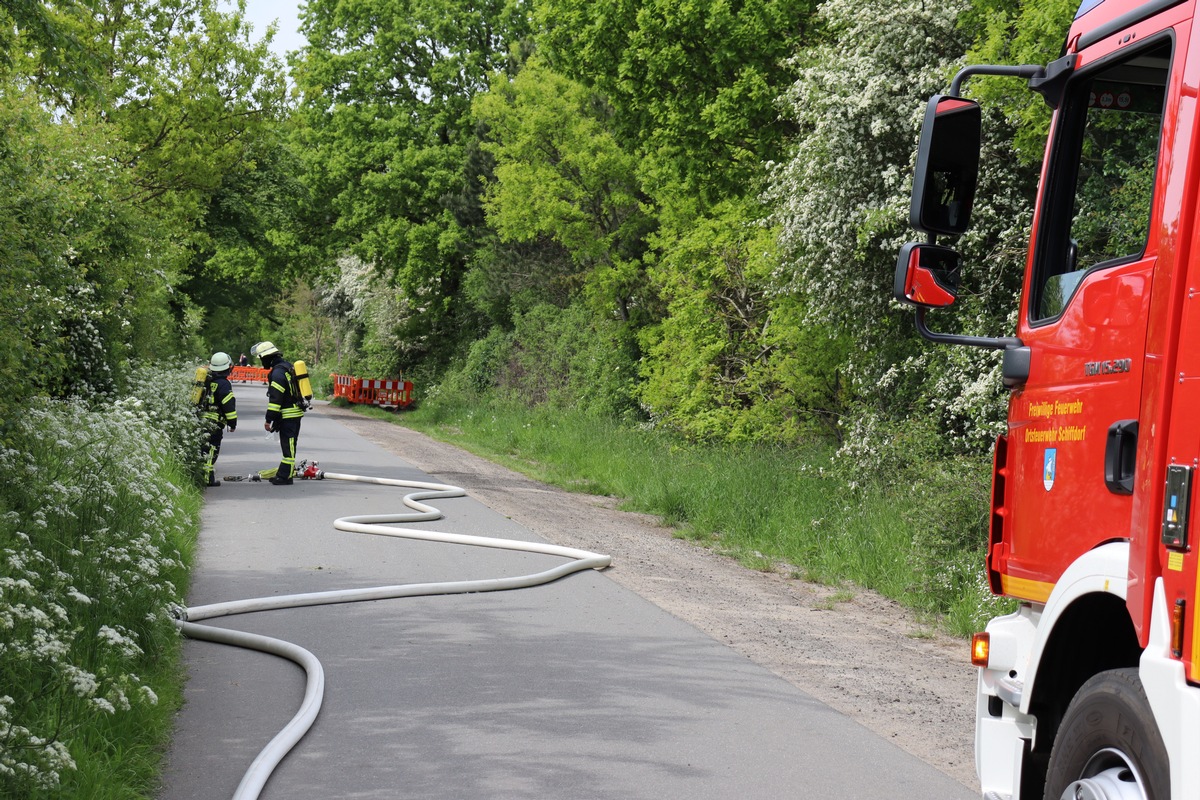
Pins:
x: 263, y: 349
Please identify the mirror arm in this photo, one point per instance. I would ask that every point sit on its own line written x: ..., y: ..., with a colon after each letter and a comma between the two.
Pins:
x: 1000, y: 343
x: 1026, y: 71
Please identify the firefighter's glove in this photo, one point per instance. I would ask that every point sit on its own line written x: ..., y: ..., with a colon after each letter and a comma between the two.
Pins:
x: 232, y: 427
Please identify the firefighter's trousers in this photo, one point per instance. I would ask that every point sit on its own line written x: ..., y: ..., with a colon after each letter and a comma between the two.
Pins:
x: 289, y: 434
x: 216, y: 432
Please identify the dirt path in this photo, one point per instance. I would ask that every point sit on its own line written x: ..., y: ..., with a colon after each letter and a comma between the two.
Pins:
x: 865, y: 657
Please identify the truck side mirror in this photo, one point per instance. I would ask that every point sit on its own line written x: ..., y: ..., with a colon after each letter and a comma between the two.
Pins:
x: 927, y: 275
x: 947, y: 166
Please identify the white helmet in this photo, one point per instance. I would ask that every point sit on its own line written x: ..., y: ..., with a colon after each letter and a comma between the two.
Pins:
x: 263, y: 349
x: 220, y: 362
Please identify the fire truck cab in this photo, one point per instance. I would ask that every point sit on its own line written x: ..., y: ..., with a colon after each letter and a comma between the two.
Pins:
x: 1091, y: 690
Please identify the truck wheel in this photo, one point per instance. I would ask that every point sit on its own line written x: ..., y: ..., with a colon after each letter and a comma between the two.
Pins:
x: 1108, y: 746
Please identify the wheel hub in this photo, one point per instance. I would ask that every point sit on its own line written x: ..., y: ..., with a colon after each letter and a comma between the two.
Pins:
x: 1108, y: 775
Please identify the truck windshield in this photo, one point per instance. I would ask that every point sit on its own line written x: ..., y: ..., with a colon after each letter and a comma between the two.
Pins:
x: 1097, y: 208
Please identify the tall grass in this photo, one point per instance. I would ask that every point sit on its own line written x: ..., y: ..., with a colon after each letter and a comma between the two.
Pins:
x: 98, y: 515
x: 770, y: 507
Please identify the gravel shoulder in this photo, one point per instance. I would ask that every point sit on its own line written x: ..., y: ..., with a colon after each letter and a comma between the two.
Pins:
x: 865, y: 656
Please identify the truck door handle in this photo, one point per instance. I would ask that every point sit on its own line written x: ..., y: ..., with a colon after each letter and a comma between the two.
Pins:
x: 1120, y: 456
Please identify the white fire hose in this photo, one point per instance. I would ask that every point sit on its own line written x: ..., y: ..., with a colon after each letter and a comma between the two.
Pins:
x: 264, y: 764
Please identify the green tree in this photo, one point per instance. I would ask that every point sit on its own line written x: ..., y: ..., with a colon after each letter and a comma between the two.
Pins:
x: 693, y: 90
x: 1018, y: 33
x: 46, y: 30
x: 505, y: 278
x: 180, y: 80
x: 253, y: 249
x: 33, y: 248
x: 123, y: 152
x: 386, y: 135
x: 693, y: 85
x: 560, y: 174
x: 85, y: 273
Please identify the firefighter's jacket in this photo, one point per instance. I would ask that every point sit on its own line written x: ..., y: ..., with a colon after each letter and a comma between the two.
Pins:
x: 283, y: 395
x: 221, y: 407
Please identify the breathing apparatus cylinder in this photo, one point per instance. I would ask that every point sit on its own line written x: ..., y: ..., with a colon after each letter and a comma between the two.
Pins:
x: 199, y: 385
x: 302, y: 378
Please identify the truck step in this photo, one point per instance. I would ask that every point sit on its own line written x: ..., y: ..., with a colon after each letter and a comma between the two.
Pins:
x: 1010, y: 690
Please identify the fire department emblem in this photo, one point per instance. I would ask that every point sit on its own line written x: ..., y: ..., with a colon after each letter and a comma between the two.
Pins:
x: 1049, y: 467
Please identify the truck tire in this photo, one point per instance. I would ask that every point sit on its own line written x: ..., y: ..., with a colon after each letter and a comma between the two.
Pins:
x: 1108, y: 746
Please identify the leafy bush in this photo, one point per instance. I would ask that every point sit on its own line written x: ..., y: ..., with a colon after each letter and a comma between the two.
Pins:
x: 562, y: 358
x: 566, y: 358
x: 474, y: 375
x: 486, y: 358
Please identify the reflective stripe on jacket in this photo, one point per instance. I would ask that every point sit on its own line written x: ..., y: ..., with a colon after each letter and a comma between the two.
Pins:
x: 222, y: 407
x: 281, y: 393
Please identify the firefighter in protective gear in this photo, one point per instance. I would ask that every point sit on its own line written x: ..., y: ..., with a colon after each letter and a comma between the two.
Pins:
x: 219, y: 410
x: 285, y: 408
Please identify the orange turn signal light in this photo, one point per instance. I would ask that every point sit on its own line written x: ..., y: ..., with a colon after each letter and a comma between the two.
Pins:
x: 981, y: 645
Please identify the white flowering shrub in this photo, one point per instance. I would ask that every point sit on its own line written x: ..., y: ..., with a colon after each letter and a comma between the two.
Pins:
x: 95, y: 516
x: 159, y: 395
x: 370, y: 320
x: 842, y: 198
x: 923, y: 417
x: 842, y: 202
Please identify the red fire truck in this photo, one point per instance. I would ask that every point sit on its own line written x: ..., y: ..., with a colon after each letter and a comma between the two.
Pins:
x: 1091, y: 690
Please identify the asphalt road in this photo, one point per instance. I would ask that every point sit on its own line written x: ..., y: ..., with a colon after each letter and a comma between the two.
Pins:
x: 576, y: 689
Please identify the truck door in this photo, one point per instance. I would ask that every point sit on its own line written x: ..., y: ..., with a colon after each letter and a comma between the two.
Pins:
x: 1098, y: 234
x: 1170, y: 511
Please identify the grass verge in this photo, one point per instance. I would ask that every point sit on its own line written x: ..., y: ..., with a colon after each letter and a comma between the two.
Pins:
x: 771, y: 508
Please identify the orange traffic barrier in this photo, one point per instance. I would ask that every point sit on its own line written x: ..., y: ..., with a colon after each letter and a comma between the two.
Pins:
x: 249, y: 374
x: 389, y: 392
